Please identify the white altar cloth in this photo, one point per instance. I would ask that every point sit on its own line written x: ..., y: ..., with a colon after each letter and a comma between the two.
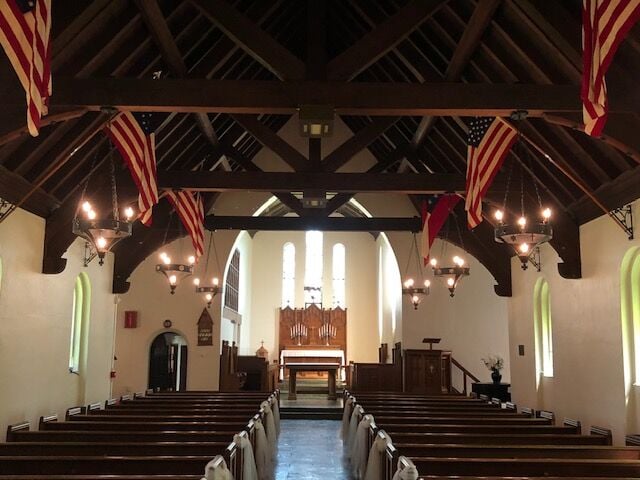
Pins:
x: 323, y: 353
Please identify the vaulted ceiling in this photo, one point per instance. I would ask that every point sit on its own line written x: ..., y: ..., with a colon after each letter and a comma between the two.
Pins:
x: 404, y: 76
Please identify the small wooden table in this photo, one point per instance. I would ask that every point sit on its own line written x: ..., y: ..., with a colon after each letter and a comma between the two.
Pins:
x: 330, y: 368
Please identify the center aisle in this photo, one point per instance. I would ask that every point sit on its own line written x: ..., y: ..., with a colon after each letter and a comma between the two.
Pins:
x: 310, y: 449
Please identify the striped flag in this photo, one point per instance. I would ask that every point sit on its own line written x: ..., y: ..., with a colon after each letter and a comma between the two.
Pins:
x: 191, y: 212
x: 489, y: 141
x: 138, y: 149
x: 605, y: 23
x: 434, y: 213
x: 25, y: 29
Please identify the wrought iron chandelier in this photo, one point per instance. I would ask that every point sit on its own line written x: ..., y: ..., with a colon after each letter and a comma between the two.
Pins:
x: 174, y: 272
x: 415, y: 292
x: 212, y: 290
x: 455, y: 273
x: 524, y: 236
x: 101, y: 234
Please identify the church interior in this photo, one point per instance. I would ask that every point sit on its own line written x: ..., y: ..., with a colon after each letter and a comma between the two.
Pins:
x: 361, y: 239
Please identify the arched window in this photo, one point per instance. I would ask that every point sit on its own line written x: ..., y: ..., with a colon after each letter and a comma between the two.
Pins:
x: 288, y: 275
x: 543, y: 328
x: 232, y: 284
x: 338, y: 274
x: 630, y: 314
x: 313, y: 268
x: 79, y: 320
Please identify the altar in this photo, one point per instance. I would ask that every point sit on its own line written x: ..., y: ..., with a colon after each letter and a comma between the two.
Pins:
x: 330, y: 368
x: 313, y: 335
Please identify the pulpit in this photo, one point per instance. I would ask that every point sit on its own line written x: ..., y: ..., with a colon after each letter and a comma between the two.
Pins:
x: 427, y: 371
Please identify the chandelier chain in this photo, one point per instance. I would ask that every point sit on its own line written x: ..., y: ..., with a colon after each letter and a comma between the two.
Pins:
x: 114, y: 190
x: 86, y: 183
x: 508, y: 185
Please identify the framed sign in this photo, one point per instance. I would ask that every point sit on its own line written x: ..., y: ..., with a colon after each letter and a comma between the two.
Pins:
x: 205, y: 329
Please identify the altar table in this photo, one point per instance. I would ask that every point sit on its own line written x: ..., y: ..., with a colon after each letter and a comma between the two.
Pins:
x: 312, y: 355
x: 330, y: 368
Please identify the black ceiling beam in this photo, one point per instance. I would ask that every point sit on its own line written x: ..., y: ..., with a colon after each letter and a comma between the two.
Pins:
x: 381, y: 40
x: 330, y: 224
x: 252, y: 39
x: 221, y: 181
x: 377, y: 99
x: 468, y: 44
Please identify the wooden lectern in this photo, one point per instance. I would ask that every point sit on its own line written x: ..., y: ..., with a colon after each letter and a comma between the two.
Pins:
x: 427, y: 371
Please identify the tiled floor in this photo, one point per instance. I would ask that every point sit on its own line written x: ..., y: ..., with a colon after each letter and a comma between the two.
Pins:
x: 310, y: 450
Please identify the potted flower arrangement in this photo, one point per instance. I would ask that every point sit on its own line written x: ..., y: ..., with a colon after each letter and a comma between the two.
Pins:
x: 495, y: 363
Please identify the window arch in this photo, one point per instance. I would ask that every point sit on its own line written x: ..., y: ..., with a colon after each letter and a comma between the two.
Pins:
x: 630, y: 314
x: 288, y: 275
x: 338, y: 275
x: 232, y: 283
x: 543, y: 327
x: 79, y: 320
x: 313, y: 268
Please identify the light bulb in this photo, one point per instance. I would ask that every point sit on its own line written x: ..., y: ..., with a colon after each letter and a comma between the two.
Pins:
x: 86, y: 207
x: 216, y: 282
x: 196, y: 282
x: 415, y: 299
x: 173, y: 279
x: 499, y: 215
x: 427, y: 283
x: 101, y: 243
x: 524, y: 248
x: 456, y: 259
x: 166, y: 260
x: 450, y: 281
x: 460, y: 262
x: 91, y: 215
x: 128, y: 213
x: 546, y: 213
x: 208, y: 297
x: 522, y: 222
x: 191, y: 259
x: 408, y: 283
x: 433, y: 262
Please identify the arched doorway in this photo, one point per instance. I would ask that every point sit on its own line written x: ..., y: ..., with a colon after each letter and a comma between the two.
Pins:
x: 168, y: 363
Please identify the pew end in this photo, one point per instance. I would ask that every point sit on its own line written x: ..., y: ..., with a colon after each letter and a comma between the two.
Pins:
x: 23, y: 426
x: 511, y: 406
x: 632, y: 440
x: 74, y: 411
x: 94, y: 407
x: 577, y: 424
x: 602, y: 432
x: 46, y: 419
x: 529, y: 412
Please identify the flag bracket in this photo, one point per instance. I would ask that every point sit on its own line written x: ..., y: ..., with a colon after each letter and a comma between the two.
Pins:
x: 519, y: 115
x: 625, y: 217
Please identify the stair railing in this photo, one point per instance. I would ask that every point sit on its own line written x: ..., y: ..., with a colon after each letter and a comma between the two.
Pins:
x: 466, y: 374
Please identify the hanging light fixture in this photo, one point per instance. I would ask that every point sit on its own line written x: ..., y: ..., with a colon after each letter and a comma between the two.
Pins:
x: 212, y: 290
x: 416, y: 292
x: 524, y: 236
x: 451, y: 274
x: 174, y: 272
x: 101, y: 234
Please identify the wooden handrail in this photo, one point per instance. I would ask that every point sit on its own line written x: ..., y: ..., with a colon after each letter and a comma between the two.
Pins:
x: 465, y: 373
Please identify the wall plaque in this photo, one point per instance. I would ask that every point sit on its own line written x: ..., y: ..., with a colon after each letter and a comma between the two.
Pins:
x: 205, y: 329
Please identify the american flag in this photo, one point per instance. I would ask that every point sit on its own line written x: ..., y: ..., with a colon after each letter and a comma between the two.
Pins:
x: 489, y: 141
x: 137, y: 145
x: 435, y: 211
x: 25, y: 29
x: 605, y: 23
x: 191, y: 212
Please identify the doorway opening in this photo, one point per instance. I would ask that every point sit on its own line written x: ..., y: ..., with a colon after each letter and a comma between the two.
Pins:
x: 168, y: 363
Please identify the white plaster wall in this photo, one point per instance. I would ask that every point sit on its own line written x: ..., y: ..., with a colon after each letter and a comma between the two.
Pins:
x: 35, y: 326
x: 588, y: 382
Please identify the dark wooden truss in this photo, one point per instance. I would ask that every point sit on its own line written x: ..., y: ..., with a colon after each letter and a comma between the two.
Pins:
x: 404, y: 76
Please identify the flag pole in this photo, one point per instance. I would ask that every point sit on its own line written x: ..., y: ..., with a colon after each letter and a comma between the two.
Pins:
x: 576, y: 181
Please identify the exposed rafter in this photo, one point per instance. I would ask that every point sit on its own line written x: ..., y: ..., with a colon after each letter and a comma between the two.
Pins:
x: 334, y: 224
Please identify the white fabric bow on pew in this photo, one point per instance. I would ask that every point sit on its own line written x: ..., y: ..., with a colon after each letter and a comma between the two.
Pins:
x: 264, y: 459
x: 217, y: 469
x: 357, y: 412
x: 249, y: 471
x: 409, y: 472
x: 270, y: 427
x: 346, y: 416
x: 276, y: 412
x: 374, y: 464
x: 359, y: 447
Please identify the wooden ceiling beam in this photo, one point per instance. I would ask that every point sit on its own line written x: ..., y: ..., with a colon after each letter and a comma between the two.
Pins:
x: 251, y: 38
x: 333, y: 224
x: 219, y: 181
x: 273, y: 141
x: 381, y: 40
x: 377, y: 99
x: 468, y: 44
